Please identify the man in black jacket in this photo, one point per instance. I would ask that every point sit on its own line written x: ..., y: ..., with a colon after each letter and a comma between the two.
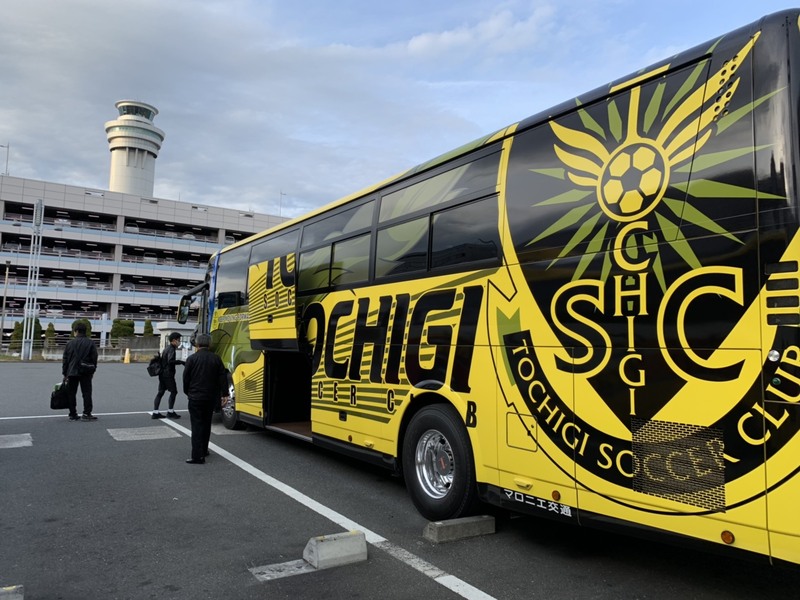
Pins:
x: 205, y: 381
x: 166, y: 378
x: 78, y: 366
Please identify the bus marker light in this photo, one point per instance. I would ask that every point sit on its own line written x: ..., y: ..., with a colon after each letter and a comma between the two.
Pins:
x: 556, y: 495
x: 728, y: 537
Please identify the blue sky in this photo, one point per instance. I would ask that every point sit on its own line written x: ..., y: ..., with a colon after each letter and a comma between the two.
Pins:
x: 283, y: 106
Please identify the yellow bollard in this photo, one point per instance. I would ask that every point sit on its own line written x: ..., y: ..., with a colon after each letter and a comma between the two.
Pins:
x: 127, y: 358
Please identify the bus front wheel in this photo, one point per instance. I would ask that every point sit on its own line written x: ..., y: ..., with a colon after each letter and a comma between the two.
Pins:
x: 230, y: 418
x: 437, y: 464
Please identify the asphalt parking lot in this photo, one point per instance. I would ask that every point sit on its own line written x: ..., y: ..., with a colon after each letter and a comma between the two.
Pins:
x: 109, y: 510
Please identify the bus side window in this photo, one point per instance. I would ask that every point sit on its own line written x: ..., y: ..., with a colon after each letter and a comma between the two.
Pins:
x: 314, y: 270
x: 230, y: 299
x: 273, y: 247
x: 465, y: 234
x: 402, y: 248
x: 338, y: 224
x: 350, y: 263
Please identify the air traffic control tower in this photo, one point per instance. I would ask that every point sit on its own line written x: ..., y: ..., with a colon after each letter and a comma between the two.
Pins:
x: 134, y: 143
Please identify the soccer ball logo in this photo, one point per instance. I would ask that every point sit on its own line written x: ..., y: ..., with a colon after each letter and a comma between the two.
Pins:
x: 633, y: 182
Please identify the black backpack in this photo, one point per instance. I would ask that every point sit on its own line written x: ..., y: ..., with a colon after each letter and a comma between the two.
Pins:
x: 154, y: 366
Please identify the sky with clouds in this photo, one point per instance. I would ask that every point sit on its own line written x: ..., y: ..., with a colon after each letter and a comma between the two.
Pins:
x: 282, y: 106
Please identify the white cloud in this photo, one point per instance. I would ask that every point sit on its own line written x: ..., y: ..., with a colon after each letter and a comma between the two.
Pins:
x: 498, y: 33
x: 311, y: 99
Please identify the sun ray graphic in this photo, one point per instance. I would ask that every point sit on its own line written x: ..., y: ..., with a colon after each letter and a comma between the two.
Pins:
x: 658, y: 140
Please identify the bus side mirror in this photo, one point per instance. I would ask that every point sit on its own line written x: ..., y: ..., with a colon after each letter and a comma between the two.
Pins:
x: 183, y: 309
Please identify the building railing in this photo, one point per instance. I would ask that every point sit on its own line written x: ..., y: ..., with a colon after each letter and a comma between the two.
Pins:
x: 165, y: 262
x: 136, y: 230
x: 59, y: 252
x: 62, y: 222
x: 13, y: 248
x: 115, y: 351
x: 174, y: 235
x: 152, y: 316
x: 46, y: 314
x: 103, y: 286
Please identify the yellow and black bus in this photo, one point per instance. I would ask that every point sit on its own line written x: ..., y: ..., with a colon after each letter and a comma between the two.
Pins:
x: 591, y: 315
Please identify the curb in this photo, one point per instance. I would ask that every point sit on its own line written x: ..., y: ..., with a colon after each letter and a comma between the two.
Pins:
x: 458, y: 529
x: 12, y: 592
x: 326, y: 551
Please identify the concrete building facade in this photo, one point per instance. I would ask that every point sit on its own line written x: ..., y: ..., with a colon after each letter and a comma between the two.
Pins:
x: 108, y: 254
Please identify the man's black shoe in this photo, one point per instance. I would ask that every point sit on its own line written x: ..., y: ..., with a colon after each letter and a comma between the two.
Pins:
x: 195, y: 461
x: 157, y: 415
x: 74, y: 418
x: 173, y: 415
x: 88, y: 417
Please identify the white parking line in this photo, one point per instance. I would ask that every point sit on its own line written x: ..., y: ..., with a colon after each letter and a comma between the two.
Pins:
x: 135, y: 434
x: 287, y: 569
x: 16, y: 440
x: 63, y: 415
x: 454, y: 584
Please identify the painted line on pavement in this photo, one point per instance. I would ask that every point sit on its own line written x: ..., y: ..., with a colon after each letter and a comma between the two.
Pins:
x: 135, y: 434
x: 16, y: 440
x: 216, y: 428
x: 451, y: 582
x: 62, y: 415
x: 280, y: 570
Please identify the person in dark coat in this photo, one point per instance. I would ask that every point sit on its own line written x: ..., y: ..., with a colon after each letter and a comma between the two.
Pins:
x: 78, y: 366
x: 166, y: 378
x: 205, y: 382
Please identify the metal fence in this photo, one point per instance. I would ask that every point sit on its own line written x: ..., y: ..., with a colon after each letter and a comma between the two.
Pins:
x: 118, y: 351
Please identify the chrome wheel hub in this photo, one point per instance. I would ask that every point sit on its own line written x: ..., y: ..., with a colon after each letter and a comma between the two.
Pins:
x: 435, y: 464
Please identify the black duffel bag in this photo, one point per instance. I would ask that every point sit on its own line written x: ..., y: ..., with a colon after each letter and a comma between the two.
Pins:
x: 59, y: 398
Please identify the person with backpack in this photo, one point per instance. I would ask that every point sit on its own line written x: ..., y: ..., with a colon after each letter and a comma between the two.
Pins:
x: 166, y: 378
x: 78, y: 365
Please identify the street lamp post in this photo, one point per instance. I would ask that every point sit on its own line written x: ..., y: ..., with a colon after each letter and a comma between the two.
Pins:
x: 104, y: 330
x: 3, y: 313
x: 31, y: 289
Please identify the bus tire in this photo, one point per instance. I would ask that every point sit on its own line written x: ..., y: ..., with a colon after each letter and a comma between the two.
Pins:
x: 438, y: 466
x: 230, y: 417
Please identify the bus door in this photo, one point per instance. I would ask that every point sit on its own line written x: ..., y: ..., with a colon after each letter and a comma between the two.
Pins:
x: 539, y: 435
x: 287, y: 391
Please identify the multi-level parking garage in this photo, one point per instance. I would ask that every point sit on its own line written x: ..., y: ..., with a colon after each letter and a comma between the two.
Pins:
x: 107, y: 255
